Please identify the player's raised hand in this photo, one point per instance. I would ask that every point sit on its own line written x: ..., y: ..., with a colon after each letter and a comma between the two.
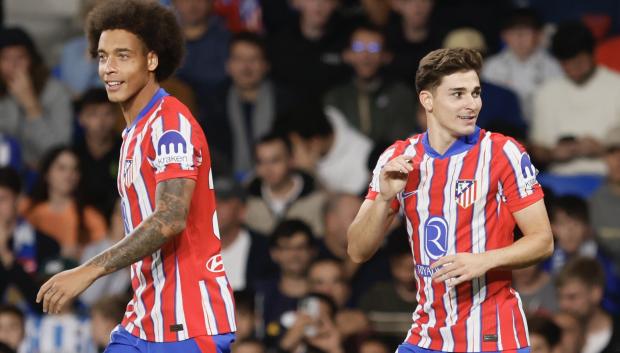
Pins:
x: 461, y: 267
x: 394, y: 176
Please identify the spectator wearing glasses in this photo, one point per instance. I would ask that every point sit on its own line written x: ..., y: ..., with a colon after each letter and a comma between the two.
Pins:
x: 380, y: 108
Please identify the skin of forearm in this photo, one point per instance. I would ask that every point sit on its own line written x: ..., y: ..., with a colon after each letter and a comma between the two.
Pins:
x: 168, y: 220
x: 525, y: 252
x: 366, y: 234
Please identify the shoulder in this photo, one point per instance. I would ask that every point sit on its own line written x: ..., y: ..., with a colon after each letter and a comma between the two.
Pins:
x: 501, y: 140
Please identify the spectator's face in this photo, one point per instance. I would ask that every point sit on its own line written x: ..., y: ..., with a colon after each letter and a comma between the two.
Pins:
x: 316, y: 13
x: 99, y: 120
x: 414, y: 12
x: 246, y: 65
x: 63, y: 175
x: 328, y: 278
x: 365, y: 53
x: 579, y: 68
x: 373, y: 347
x: 578, y: 299
x: 245, y: 323
x: 193, y: 12
x: 455, y: 103
x: 522, y: 40
x: 123, y: 65
x: 8, y: 207
x: 100, y: 328
x: 293, y: 255
x: 401, y: 267
x: 613, y: 165
x: 13, y: 59
x: 538, y: 344
x: 230, y: 213
x: 11, y: 330
x: 248, y: 347
x: 340, y: 217
x: 273, y: 163
x: 569, y: 232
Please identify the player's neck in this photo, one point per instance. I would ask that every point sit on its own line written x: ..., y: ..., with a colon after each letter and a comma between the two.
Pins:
x: 439, y: 138
x: 134, y: 105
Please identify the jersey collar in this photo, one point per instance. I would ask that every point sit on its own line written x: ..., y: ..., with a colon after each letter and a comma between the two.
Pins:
x: 463, y: 144
x: 159, y: 94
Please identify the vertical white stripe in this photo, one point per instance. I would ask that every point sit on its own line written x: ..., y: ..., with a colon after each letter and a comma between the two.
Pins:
x: 179, y: 311
x: 522, y: 312
x: 479, y: 239
x: 500, y: 346
x: 157, y: 272
x: 138, y: 182
x: 228, y: 301
x: 426, y: 176
x: 207, y: 310
x: 186, y: 132
x: 157, y: 129
x: 415, y: 316
x: 139, y: 307
x: 450, y: 209
x: 514, y: 329
x: 514, y: 156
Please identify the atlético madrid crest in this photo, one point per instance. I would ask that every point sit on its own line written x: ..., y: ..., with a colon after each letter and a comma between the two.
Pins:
x: 467, y: 192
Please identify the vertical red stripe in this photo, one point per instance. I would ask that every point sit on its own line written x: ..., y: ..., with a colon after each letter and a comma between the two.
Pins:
x: 167, y: 294
x: 206, y: 344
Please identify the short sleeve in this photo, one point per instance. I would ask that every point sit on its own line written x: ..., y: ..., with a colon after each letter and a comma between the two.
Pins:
x: 519, y: 187
x: 374, y: 187
x: 175, y: 147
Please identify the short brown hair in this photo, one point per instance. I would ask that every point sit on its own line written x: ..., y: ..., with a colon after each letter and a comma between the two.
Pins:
x: 154, y: 24
x: 443, y: 62
x: 587, y: 270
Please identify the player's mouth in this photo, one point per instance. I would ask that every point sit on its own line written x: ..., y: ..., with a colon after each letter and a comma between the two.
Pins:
x: 113, y: 85
x: 467, y: 117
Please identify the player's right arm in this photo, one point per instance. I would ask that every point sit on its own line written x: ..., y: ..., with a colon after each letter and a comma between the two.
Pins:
x: 367, y: 230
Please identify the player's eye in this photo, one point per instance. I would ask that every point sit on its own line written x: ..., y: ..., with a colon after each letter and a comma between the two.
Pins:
x: 101, y: 58
x: 457, y: 94
x: 476, y: 94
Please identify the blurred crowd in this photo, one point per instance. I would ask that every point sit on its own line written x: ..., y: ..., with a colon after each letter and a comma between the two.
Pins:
x: 298, y: 98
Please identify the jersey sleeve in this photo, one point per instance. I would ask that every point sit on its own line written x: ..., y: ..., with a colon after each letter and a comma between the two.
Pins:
x: 374, y: 187
x: 175, y: 147
x: 519, y: 187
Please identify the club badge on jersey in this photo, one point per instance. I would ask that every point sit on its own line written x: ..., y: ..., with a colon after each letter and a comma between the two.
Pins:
x: 466, y: 192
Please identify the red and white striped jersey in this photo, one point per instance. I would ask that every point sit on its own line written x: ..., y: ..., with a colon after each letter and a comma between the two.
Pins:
x: 181, y: 290
x: 463, y: 201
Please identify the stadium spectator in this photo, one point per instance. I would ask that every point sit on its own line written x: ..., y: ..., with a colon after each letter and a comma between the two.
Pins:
x: 56, y: 208
x: 249, y: 345
x: 280, y: 192
x: 106, y: 313
x: 411, y: 35
x: 243, y: 250
x: 561, y: 136
x: 97, y: 149
x: 373, y: 344
x: 545, y: 335
x: 580, y: 286
x: 206, y: 44
x: 12, y: 326
x: 523, y: 65
x: 379, y: 107
x: 307, y: 54
x: 536, y: 289
x: 10, y: 152
x: 116, y: 283
x: 36, y: 109
x: 292, y: 249
x: 242, y: 110
x: 605, y: 203
x: 325, y: 145
x: 247, y: 320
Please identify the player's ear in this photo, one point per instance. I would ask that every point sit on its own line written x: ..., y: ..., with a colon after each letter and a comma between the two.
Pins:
x: 426, y: 99
x: 152, y: 60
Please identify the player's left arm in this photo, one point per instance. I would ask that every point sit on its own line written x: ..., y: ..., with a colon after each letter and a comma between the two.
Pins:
x: 173, y: 198
x: 535, y: 245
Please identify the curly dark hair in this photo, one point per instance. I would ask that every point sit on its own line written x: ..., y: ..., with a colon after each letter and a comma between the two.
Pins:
x: 153, y: 23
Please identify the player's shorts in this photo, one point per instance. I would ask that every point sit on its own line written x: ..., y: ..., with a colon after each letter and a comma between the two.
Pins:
x: 122, y: 341
x: 409, y: 348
